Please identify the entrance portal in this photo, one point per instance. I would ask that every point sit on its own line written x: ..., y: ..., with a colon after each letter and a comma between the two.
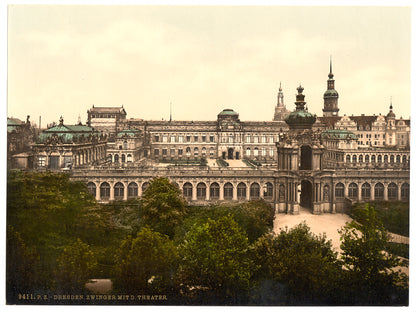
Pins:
x: 306, y: 199
x: 237, y: 155
x: 230, y: 153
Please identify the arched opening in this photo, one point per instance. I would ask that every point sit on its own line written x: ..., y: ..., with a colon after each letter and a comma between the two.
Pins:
x: 105, y: 191
x: 405, y: 192
x: 119, y: 191
x: 254, y: 191
x: 230, y: 153
x: 187, y: 191
x: 145, y: 186
x: 379, y: 191
x: 392, y: 191
x: 214, y: 191
x: 132, y: 190
x: 306, y: 199
x: 268, y: 191
x: 353, y: 191
x: 366, y: 191
x: 228, y: 191
x: 305, y: 158
x: 92, y: 188
x: 241, y: 191
x: 201, y: 191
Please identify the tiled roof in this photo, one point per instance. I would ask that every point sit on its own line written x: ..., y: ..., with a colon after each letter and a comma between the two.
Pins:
x: 107, y: 110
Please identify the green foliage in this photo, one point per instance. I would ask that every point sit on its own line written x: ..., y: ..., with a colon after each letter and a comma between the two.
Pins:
x: 74, y: 267
x: 22, y: 264
x: 163, y: 206
x: 398, y: 249
x: 304, y: 263
x: 369, y: 266
x: 394, y: 215
x: 215, y: 261
x: 255, y: 218
x: 146, y: 263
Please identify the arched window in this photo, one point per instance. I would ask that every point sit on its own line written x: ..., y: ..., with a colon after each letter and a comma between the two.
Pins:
x: 145, y: 185
x: 353, y: 191
x: 281, y: 193
x: 188, y: 151
x: 214, y: 191
x: 326, y: 192
x: 354, y: 158
x: 404, y: 159
x: 125, y: 145
x: 129, y: 158
x: 386, y: 158
x: 360, y: 158
x: 201, y: 191
x: 405, y: 192
x: 248, y: 151
x: 348, y: 158
x: 256, y: 151
x: 397, y: 158
x: 105, y: 191
x: 228, y: 191
x: 187, y: 190
x: 254, y: 191
x: 366, y: 191
x: 211, y: 152
x: 204, y: 152
x: 118, y: 190
x: 379, y: 158
x: 241, y: 191
x: 339, y: 190
x: 367, y: 158
x: 116, y: 158
x: 379, y: 191
x: 373, y: 158
x: 92, y: 188
x: 392, y: 158
x: 196, y: 152
x: 268, y: 192
x: 132, y: 190
x: 123, y: 158
x: 392, y: 193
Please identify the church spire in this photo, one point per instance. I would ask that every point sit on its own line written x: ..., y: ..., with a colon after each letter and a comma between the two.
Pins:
x: 280, y: 111
x: 330, y: 95
x: 330, y: 75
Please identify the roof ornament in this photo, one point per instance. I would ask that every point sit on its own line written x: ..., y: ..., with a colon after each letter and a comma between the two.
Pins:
x: 330, y: 75
x: 61, y: 121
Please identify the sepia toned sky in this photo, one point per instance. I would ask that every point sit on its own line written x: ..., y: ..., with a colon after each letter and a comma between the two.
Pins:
x: 62, y: 60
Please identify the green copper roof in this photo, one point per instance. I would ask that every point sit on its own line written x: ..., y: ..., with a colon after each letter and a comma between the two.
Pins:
x: 338, y: 134
x: 300, y: 117
x: 67, y: 134
x: 228, y: 111
x: 128, y: 132
x: 330, y: 92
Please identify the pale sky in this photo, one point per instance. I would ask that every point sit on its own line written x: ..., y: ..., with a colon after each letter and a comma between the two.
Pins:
x: 62, y: 60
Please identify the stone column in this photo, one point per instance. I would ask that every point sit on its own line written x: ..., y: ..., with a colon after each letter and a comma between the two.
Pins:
x: 194, y: 191
x: 221, y: 191
x: 386, y: 192
x: 234, y: 192
x: 112, y: 191
x: 97, y: 191
x: 359, y: 193
x: 207, y: 193
x: 126, y: 185
x: 372, y: 191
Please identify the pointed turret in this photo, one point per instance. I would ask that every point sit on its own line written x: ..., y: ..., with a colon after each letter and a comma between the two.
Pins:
x: 280, y: 111
x: 330, y: 95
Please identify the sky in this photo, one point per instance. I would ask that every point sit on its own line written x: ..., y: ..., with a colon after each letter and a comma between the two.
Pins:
x: 62, y: 60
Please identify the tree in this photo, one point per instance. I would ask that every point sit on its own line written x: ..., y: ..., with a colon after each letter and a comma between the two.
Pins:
x: 74, y: 267
x: 371, y: 273
x: 215, y: 261
x: 300, y: 265
x: 146, y: 263
x: 163, y: 206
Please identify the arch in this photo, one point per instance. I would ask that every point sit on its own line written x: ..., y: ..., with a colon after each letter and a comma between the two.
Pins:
x: 348, y: 158
x: 404, y: 159
x: 404, y: 192
x: 196, y: 151
x: 116, y: 158
x: 360, y: 158
x: 367, y: 158
x: 353, y: 190
x: 248, y: 151
x: 305, y: 158
x: 354, y: 158
x: 392, y: 158
x: 132, y: 190
x: 230, y: 153
x: 123, y: 158
x: 201, y: 191
x: 365, y: 191
x: 397, y: 158
x: 92, y: 188
x: 379, y: 191
x: 339, y: 190
x: 241, y: 191
x: 105, y: 191
x: 204, y: 152
x: 188, y: 151
x: 386, y: 158
x: 254, y: 191
x: 214, y: 191
x: 379, y: 158
x: 125, y: 145
x: 306, y: 196
x: 268, y: 192
x: 129, y: 158
x: 145, y: 186
x: 392, y: 191
x: 119, y: 190
x: 228, y: 191
x: 326, y: 192
x: 373, y: 158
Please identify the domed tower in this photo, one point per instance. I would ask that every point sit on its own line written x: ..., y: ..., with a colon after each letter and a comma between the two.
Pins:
x: 391, y: 127
x: 300, y: 119
x: 330, y: 96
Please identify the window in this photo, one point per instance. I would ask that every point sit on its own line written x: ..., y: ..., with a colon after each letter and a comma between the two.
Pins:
x: 172, y: 152
x: 180, y: 139
x: 256, y: 139
x: 379, y: 158
x: 230, y: 139
x: 398, y: 158
x: 404, y: 159
x: 123, y: 158
x: 392, y: 158
x: 268, y: 192
x: 211, y: 138
x: 256, y: 151
x: 263, y: 151
x: 248, y: 139
x: 367, y: 158
x: 125, y: 146
x: 187, y: 190
x: 145, y: 185
x: 211, y: 152
x: 156, y: 152
x: 132, y: 190
x: 228, y: 191
x: 348, y: 158
x: 254, y: 191
x: 248, y: 152
x: 379, y: 191
x: 116, y: 157
x: 118, y: 190
x: 204, y: 138
x: 339, y: 190
x: 405, y: 191
x: 196, y: 151
x: 129, y: 158
x: 386, y: 158
x: 180, y: 151
x: 164, y: 152
x: 92, y: 188
x: 241, y: 191
x: 360, y: 158
x: 172, y: 139
x: 165, y: 139
x: 41, y: 161
x: 156, y: 138
x: 373, y: 158
x: 353, y: 191
x: 214, y: 191
x: 365, y: 191
x: 195, y: 138
x: 392, y: 191
x: 281, y: 193
x: 263, y: 139
x: 271, y: 151
x: 204, y: 152
x: 188, y: 138
x: 271, y: 140
x: 201, y: 191
x: 105, y: 190
x: 188, y: 151
x: 354, y: 158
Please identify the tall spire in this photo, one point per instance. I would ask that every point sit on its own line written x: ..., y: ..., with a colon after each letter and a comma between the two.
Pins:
x: 330, y: 95
x: 170, y: 116
x: 330, y: 75
x: 391, y: 103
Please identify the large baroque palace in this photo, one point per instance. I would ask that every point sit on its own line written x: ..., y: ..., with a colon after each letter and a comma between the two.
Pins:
x: 323, y: 164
